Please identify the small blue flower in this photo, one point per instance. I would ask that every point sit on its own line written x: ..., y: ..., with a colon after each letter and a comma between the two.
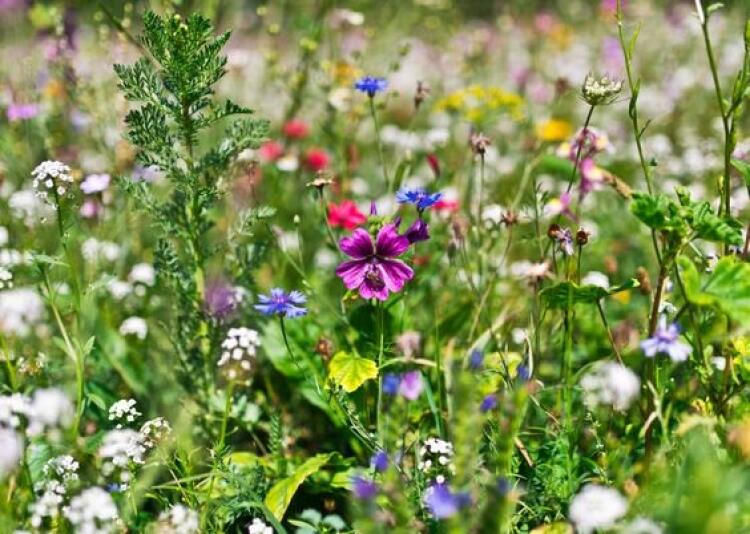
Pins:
x: 488, y: 403
x: 522, y: 373
x: 363, y: 488
x: 476, y: 359
x: 282, y: 303
x: 391, y: 383
x: 666, y: 340
x: 444, y: 503
x: 419, y: 197
x: 379, y: 461
x: 371, y: 85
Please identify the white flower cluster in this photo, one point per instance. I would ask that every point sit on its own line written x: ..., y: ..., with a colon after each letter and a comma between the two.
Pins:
x: 134, y: 326
x: 6, y: 278
x: 47, y: 410
x: 141, y: 277
x: 239, y: 350
x: 599, y: 91
x: 60, y: 473
x: 435, y: 459
x: 51, y: 176
x: 155, y: 431
x: 25, y: 205
x: 92, y: 512
x: 11, y: 449
x: 258, y: 526
x: 596, y: 507
x: 121, y: 451
x: 124, y: 410
x: 20, y: 310
x: 94, y: 250
x: 179, y: 519
x: 610, y: 384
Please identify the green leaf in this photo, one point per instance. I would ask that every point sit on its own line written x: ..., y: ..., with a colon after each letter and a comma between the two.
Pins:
x: 726, y: 289
x: 350, y: 371
x: 659, y: 212
x: 743, y: 168
x: 280, y: 495
x: 711, y: 227
x: 566, y: 293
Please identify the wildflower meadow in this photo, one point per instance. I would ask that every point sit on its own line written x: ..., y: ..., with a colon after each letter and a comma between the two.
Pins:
x: 319, y: 266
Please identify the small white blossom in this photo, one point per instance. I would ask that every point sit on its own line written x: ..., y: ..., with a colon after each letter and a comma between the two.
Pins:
x: 121, y: 452
x: 20, y: 309
x: 92, y: 512
x: 238, y: 352
x: 94, y: 250
x: 49, y: 409
x: 142, y: 273
x: 119, y: 289
x: 135, y: 326
x: 124, y: 410
x: 154, y: 431
x: 435, y: 459
x: 642, y: 525
x: 612, y: 384
x: 599, y: 91
x: 11, y: 449
x: 51, y: 176
x: 597, y: 507
x: 179, y: 519
x: 258, y: 526
x: 6, y: 278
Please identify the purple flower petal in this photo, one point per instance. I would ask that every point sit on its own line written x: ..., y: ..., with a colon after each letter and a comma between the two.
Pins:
x: 358, y: 245
x: 389, y: 244
x: 395, y: 274
x: 352, y: 273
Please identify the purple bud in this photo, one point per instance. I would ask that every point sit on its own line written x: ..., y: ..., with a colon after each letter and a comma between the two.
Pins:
x: 417, y: 232
x: 475, y: 359
x: 373, y: 208
x: 363, y: 488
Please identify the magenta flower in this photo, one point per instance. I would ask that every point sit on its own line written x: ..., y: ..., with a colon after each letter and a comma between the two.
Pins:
x: 374, y: 271
x: 411, y: 385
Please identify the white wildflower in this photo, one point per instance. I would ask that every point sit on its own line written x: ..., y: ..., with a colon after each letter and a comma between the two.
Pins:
x: 142, y: 273
x: 121, y: 452
x: 51, y: 176
x: 642, y: 525
x: 124, y: 410
x: 179, y: 519
x: 20, y: 309
x: 135, y: 326
x: 119, y: 289
x: 11, y: 449
x: 154, y: 431
x: 258, y: 526
x: 435, y: 458
x: 6, y: 278
x: 597, y: 507
x: 612, y: 384
x: 25, y: 205
x: 92, y: 512
x: 49, y: 409
x: 238, y: 352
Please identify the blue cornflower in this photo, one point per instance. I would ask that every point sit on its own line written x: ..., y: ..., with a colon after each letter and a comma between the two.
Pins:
x: 363, y: 488
x: 371, y: 85
x: 419, y: 197
x: 476, y: 359
x: 282, y: 303
x: 523, y: 373
x: 379, y: 461
x: 391, y: 382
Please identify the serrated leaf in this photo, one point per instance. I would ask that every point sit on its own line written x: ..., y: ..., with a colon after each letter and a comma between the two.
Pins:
x: 726, y: 289
x: 350, y: 371
x: 280, y: 495
x: 658, y: 212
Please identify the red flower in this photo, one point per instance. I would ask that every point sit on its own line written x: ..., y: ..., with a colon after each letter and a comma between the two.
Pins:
x: 316, y: 159
x: 270, y: 151
x: 295, y: 129
x: 434, y: 163
x: 446, y: 205
x: 346, y: 215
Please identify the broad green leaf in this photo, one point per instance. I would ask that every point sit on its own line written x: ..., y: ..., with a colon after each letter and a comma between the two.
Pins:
x: 563, y: 294
x: 659, y: 212
x: 727, y: 288
x: 350, y: 371
x: 281, y: 494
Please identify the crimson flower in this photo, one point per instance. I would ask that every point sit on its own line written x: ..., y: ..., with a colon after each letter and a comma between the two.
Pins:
x: 317, y: 159
x: 374, y: 271
x: 295, y: 129
x: 346, y: 215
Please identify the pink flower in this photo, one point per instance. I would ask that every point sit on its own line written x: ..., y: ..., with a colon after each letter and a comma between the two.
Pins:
x: 21, y: 112
x: 270, y: 151
x: 445, y: 205
x: 317, y: 159
x: 591, y: 176
x: 295, y: 129
x: 374, y: 271
x: 411, y: 385
x: 345, y: 215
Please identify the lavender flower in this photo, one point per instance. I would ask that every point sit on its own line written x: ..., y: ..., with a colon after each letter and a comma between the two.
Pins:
x: 488, y: 403
x: 411, y: 385
x: 419, y: 197
x: 371, y: 85
x: 374, y: 271
x: 282, y: 303
x: 363, y: 488
x: 379, y: 461
x: 95, y: 183
x: 220, y: 299
x: 666, y: 341
x: 444, y: 503
x: 21, y: 112
x: 417, y: 232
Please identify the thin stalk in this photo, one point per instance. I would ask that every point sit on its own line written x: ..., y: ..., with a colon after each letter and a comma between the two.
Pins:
x: 312, y: 375
x: 580, y: 148
x: 609, y: 331
x: 381, y: 362
x: 381, y: 156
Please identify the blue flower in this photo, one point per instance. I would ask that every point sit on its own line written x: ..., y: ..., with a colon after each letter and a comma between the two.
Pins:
x: 371, y: 85
x: 419, y: 197
x: 379, y: 461
x: 391, y: 383
x: 522, y: 373
x: 666, y: 340
x: 282, y: 303
x: 476, y: 359
x: 443, y: 503
x: 488, y: 403
x: 363, y: 488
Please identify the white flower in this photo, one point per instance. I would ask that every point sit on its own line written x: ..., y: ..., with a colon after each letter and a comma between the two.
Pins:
x: 51, y: 176
x: 179, y: 519
x: 122, y: 450
x: 11, y: 449
x: 642, y: 525
x: 596, y: 507
x: 20, y: 309
x: 435, y: 458
x: 3, y: 236
x: 288, y: 163
x: 134, y: 326
x: 26, y: 206
x: 6, y: 278
x: 49, y: 409
x: 119, y: 289
x: 94, y: 250
x: 154, y: 431
x: 609, y: 383
x: 238, y: 352
x: 95, y: 183
x: 595, y: 278
x: 258, y: 526
x: 124, y: 409
x: 92, y: 512
x: 142, y: 273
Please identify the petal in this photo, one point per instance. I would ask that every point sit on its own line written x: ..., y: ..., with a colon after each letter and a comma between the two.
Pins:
x: 389, y: 244
x: 358, y: 245
x: 395, y: 274
x: 650, y: 347
x: 352, y: 273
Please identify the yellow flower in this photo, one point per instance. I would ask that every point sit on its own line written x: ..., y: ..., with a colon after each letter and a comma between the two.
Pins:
x: 554, y: 130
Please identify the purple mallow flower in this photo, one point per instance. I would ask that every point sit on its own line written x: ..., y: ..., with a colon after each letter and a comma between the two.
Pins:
x: 411, y: 385
x: 379, y: 461
x: 666, y: 340
x: 371, y: 85
x: 419, y: 197
x: 363, y: 488
x: 444, y: 503
x: 281, y: 303
x: 374, y: 271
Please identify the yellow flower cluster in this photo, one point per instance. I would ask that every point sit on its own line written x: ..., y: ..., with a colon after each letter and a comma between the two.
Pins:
x: 477, y: 102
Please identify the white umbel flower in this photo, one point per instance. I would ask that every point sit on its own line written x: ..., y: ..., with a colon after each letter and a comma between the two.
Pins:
x: 122, y: 451
x: 436, y: 459
x: 51, y: 176
x: 6, y: 278
x: 258, y: 526
x: 124, y: 410
x: 597, y: 507
x: 50, y: 409
x: 134, y: 326
x: 238, y: 353
x: 92, y: 512
x: 179, y: 519
x: 11, y: 449
x: 612, y: 384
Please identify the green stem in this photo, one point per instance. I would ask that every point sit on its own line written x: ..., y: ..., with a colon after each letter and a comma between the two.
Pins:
x: 312, y: 375
x: 381, y: 363
x: 580, y: 148
x: 381, y: 156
